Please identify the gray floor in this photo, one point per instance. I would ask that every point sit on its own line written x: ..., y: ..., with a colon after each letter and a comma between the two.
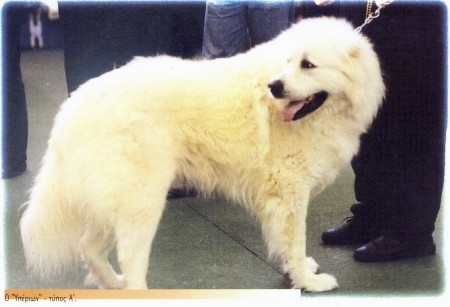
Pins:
x: 209, y: 243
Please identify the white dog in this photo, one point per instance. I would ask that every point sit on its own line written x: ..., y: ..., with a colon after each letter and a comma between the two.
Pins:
x: 123, y: 138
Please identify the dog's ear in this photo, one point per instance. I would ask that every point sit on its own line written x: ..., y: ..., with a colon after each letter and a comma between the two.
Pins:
x: 354, y: 53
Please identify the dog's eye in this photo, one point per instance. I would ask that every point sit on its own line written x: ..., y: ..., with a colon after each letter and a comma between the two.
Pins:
x: 307, y: 64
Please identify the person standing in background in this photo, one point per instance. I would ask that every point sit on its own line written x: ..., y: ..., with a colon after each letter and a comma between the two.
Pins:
x: 399, y: 171
x: 101, y: 36
x: 14, y: 107
x: 233, y: 26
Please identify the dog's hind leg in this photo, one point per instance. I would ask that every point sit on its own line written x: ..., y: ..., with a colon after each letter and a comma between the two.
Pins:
x: 135, y: 228
x: 95, y: 247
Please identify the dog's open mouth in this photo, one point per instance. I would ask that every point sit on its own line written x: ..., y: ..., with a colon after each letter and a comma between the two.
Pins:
x: 300, y: 108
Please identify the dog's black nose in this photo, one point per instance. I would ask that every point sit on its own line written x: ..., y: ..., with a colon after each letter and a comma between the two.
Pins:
x: 276, y: 88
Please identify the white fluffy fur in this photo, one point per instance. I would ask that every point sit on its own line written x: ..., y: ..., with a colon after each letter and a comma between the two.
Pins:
x: 123, y: 138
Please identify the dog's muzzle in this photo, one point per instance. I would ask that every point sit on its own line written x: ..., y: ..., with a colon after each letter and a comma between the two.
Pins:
x: 297, y: 109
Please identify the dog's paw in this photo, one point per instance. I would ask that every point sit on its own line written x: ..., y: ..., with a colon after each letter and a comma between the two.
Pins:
x: 93, y: 281
x: 117, y: 283
x: 312, y: 264
x: 318, y: 283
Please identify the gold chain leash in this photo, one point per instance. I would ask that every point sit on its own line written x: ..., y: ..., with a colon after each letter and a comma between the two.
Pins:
x: 368, y: 8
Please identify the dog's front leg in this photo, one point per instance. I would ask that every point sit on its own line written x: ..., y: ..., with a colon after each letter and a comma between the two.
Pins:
x: 301, y: 268
x: 284, y: 228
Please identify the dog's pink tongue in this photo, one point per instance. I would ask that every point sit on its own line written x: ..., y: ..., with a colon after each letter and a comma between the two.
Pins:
x: 290, y: 110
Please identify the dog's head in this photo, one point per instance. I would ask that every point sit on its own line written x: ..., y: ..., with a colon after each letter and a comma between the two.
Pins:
x: 331, y: 64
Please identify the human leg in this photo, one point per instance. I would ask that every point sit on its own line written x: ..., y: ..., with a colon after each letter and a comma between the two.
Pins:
x: 14, y: 114
x: 267, y: 19
x: 225, y: 29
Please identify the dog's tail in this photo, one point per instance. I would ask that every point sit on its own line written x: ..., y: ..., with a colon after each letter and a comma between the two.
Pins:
x: 48, y: 226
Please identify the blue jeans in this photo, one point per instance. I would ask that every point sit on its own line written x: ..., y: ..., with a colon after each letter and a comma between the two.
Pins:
x: 232, y: 26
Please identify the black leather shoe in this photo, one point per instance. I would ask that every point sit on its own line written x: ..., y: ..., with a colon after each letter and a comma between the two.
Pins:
x: 181, y: 192
x: 387, y: 249
x: 351, y: 232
